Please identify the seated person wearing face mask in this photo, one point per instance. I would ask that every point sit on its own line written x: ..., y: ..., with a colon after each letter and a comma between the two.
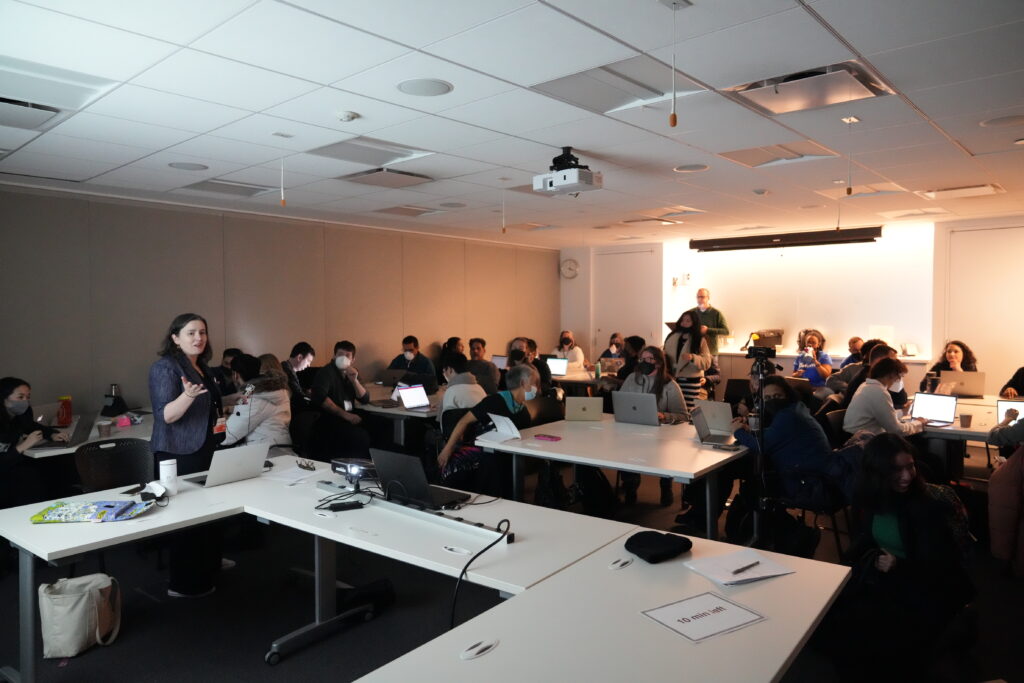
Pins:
x: 463, y: 389
x: 897, y: 392
x: 336, y: 391
x: 872, y: 409
x: 411, y: 359
x: 262, y: 415
x: 20, y: 483
x: 794, y: 442
x: 615, y: 344
x: 567, y: 349
x: 466, y: 466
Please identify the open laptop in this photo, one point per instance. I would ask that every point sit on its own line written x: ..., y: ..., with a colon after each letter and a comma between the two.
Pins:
x: 717, y: 414
x: 500, y: 362
x: 579, y: 408
x: 46, y: 414
x: 802, y: 386
x: 1003, y: 405
x: 965, y: 384
x: 78, y: 433
x: 704, y: 434
x: 558, y: 366
x: 938, y: 409
x: 402, y: 478
x: 641, y: 409
x: 233, y: 464
x: 390, y: 378
x: 414, y: 398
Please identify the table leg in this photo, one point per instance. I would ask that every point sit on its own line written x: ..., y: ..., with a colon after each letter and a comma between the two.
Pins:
x: 399, y: 431
x: 327, y: 621
x: 517, y: 477
x: 711, y: 504
x: 28, y: 621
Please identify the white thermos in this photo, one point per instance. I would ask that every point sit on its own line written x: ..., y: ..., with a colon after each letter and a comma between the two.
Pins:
x: 169, y: 476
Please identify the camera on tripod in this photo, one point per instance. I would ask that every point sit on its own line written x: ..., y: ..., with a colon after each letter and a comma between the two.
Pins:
x: 760, y: 352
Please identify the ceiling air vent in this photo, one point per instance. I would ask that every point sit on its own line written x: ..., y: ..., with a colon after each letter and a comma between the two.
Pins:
x: 386, y: 177
x: 224, y: 187
x: 21, y: 114
x: 531, y: 227
x: 813, y: 89
x: 35, y: 96
x: 368, y: 151
x: 961, y: 192
x: 412, y: 211
x: 861, y: 191
x: 776, y: 155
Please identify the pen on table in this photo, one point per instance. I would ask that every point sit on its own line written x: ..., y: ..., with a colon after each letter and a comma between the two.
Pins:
x: 746, y: 567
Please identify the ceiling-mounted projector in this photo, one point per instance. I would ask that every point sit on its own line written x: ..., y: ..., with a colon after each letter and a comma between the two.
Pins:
x: 567, y: 176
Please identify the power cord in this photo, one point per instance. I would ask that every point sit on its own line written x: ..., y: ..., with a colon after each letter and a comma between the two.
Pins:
x: 503, y: 526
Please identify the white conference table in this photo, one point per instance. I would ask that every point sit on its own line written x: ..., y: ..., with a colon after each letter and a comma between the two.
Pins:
x: 139, y: 431
x: 585, y: 624
x: 664, y: 451
x: 399, y: 415
x: 546, y: 541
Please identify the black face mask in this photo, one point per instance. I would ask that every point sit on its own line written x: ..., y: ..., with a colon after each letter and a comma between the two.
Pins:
x: 645, y: 368
x: 773, y: 406
x: 566, y: 341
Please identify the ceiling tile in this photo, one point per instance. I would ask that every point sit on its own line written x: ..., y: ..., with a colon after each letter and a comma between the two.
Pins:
x: 435, y: 134
x: 179, y: 22
x: 296, y: 197
x: 159, y: 162
x: 981, y: 94
x: 79, y: 148
x: 294, y: 42
x: 516, y: 111
x: 223, y: 81
x: 223, y: 149
x: 952, y: 60
x: 12, y: 138
x: 937, y: 153
x: 983, y: 140
x: 514, y: 152
x: 591, y: 133
x: 878, y: 112
x: 109, y: 129
x: 322, y: 106
x: 264, y: 175
x: 500, y: 178
x: 164, y: 109
x: 260, y: 129
x: 440, y: 166
x: 382, y: 82
x: 340, y: 188
x: 323, y: 167
x: 39, y: 35
x: 877, y: 25
x: 776, y: 45
x: 412, y: 23
x: 51, y: 166
x: 141, y: 179
x: 648, y: 25
x: 488, y: 46
x: 857, y: 141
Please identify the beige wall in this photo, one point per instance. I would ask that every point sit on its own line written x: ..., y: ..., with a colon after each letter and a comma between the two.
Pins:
x: 91, y: 284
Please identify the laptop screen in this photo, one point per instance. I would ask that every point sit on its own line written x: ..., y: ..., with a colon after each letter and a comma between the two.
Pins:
x: 934, y: 407
x: 558, y: 366
x: 414, y: 396
x: 701, y: 424
x: 1003, y: 406
x: 500, y: 362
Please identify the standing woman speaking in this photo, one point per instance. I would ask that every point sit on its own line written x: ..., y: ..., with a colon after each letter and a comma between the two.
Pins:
x: 186, y: 407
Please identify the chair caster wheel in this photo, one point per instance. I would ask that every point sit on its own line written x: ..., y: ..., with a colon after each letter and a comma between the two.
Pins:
x: 272, y: 657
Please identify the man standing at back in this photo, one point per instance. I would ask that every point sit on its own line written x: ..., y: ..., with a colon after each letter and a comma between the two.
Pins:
x: 712, y: 322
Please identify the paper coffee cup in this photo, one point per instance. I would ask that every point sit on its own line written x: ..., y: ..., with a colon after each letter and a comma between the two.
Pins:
x: 965, y: 420
x: 104, y: 427
x: 169, y: 476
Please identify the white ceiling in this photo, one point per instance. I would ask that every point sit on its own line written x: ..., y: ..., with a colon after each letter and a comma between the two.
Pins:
x: 246, y: 86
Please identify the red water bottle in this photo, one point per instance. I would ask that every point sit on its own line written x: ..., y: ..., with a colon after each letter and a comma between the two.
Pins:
x: 64, y: 414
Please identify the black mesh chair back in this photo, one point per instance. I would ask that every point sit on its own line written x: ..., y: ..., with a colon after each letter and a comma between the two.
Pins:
x: 837, y: 435
x: 114, y: 462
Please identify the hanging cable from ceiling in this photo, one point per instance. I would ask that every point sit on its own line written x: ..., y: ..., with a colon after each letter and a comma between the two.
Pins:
x: 672, y: 117
x: 503, y: 211
x: 283, y: 203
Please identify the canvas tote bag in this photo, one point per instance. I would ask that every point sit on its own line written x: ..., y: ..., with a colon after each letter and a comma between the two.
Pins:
x: 77, y: 613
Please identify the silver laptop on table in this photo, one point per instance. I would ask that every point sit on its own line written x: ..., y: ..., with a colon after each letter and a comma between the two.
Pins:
x: 717, y: 414
x: 704, y: 434
x: 233, y: 464
x: 938, y: 409
x: 965, y: 384
x: 78, y: 433
x: 578, y: 408
x: 641, y: 409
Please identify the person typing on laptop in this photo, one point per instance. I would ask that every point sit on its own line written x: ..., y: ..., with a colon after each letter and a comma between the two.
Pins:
x: 489, y: 473
x: 20, y: 484
x: 871, y: 408
x: 336, y: 391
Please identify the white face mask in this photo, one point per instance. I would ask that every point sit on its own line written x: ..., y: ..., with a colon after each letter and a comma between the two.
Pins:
x: 409, y: 355
x: 342, y: 362
x: 897, y: 386
x: 613, y: 348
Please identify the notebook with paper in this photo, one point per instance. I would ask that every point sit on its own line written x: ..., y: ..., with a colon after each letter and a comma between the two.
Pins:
x: 938, y: 409
x: 504, y: 430
x: 742, y: 566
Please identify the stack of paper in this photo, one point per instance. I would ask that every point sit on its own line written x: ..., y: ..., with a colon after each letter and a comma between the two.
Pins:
x: 742, y: 566
x: 504, y: 430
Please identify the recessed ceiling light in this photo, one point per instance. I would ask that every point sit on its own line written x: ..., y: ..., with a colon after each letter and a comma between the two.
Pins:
x: 426, y: 87
x: 690, y: 168
x: 850, y: 119
x: 188, y: 166
x: 453, y: 205
x: 1019, y: 141
x: 838, y: 181
x: 1004, y: 121
x: 347, y: 116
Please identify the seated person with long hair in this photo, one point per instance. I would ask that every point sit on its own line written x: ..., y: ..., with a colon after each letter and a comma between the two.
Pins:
x: 956, y: 357
x: 909, y: 578
x: 263, y: 414
x: 20, y: 483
